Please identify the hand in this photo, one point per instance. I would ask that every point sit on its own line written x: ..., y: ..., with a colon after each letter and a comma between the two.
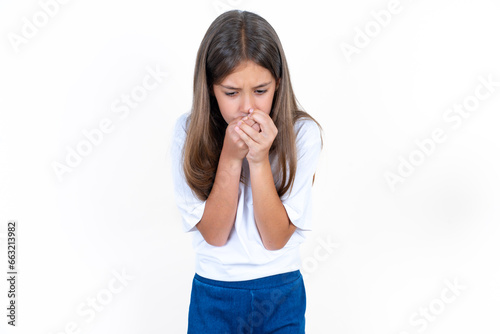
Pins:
x: 258, y: 143
x: 252, y: 123
x: 233, y: 145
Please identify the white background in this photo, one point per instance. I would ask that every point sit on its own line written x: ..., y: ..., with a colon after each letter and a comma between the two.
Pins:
x: 395, y: 249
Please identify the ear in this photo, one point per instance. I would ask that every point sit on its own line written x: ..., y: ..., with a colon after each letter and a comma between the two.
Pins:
x: 278, y: 84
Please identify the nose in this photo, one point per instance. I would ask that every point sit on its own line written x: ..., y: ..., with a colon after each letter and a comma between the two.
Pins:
x: 247, y: 102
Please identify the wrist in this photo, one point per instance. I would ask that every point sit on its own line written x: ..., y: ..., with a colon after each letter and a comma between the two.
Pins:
x: 230, y: 162
x: 259, y: 164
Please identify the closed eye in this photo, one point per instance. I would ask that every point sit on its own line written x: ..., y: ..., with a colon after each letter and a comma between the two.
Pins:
x: 259, y: 92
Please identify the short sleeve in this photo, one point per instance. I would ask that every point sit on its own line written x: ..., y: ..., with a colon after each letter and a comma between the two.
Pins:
x: 297, y: 201
x: 190, y: 207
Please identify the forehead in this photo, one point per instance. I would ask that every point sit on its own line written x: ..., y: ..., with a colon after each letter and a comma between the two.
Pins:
x: 248, y: 72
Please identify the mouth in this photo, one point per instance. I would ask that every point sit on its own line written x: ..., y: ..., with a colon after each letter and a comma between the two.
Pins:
x: 241, y: 115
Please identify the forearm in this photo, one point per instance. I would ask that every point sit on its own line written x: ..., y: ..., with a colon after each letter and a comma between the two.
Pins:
x: 270, y: 215
x: 221, y: 205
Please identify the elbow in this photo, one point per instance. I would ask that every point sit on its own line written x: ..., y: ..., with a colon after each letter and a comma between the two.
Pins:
x: 274, y: 246
x: 216, y: 241
x: 279, y: 240
x: 213, y: 236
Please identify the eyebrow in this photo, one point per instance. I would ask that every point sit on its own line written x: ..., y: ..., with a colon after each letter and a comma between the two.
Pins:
x: 259, y: 86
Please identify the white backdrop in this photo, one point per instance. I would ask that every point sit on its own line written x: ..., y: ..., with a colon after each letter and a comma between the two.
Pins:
x: 406, y: 198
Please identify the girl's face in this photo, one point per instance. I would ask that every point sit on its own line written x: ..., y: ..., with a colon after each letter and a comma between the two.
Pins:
x: 248, y: 86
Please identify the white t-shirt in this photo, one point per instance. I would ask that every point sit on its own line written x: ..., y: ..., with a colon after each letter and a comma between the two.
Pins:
x: 244, y: 256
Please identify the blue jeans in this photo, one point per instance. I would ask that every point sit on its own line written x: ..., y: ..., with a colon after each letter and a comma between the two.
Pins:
x: 273, y: 304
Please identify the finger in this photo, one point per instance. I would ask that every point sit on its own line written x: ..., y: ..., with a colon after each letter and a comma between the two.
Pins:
x: 256, y: 126
x: 263, y: 119
x: 250, y: 131
x: 243, y: 136
x: 234, y: 123
x: 249, y: 121
x: 253, y: 124
x: 232, y: 129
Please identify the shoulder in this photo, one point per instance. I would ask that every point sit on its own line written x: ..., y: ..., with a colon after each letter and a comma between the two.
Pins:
x: 179, y: 132
x: 181, y: 124
x: 307, y: 131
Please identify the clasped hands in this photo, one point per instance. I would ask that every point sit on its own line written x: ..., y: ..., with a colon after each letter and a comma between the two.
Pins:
x: 257, y: 131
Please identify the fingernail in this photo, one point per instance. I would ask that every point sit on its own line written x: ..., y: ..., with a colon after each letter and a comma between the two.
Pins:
x: 245, y: 118
x: 239, y: 123
x: 250, y: 110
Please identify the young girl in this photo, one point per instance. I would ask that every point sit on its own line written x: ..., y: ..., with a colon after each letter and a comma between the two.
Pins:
x: 243, y: 163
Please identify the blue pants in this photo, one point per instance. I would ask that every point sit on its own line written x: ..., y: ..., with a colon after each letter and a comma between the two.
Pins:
x: 273, y: 304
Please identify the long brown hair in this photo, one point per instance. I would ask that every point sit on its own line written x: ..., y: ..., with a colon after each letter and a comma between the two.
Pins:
x: 232, y: 38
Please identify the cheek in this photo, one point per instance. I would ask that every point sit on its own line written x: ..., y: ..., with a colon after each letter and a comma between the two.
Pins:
x: 227, y: 106
x: 228, y: 109
x: 266, y: 104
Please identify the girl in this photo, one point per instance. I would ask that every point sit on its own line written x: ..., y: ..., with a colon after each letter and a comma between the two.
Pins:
x: 243, y: 163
